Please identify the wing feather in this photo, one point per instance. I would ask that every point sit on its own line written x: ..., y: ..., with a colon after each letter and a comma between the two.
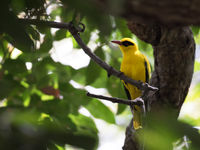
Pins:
x: 127, y: 92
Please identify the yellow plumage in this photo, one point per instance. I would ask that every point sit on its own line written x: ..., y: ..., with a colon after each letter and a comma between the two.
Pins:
x: 136, y: 66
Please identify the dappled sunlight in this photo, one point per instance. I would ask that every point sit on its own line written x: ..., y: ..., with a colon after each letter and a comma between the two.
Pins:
x: 64, y: 53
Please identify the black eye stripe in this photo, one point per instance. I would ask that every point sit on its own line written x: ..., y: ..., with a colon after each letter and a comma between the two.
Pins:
x: 127, y: 43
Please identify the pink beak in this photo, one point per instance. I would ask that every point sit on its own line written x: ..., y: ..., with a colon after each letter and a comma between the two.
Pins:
x: 116, y: 42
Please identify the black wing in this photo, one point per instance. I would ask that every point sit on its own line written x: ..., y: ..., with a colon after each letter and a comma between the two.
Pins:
x: 146, y: 72
x: 146, y: 103
x: 127, y: 93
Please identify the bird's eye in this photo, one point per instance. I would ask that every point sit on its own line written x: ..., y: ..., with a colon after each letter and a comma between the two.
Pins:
x: 127, y: 43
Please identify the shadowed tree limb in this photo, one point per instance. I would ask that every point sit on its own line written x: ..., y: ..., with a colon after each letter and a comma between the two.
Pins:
x: 178, y: 12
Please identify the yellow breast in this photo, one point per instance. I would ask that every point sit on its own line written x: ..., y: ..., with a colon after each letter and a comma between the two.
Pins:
x: 133, y: 66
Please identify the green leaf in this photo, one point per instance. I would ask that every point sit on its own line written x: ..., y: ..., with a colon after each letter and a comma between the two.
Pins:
x: 195, y: 30
x: 101, y: 81
x: 115, y: 60
x: 60, y: 34
x: 93, y: 70
x: 121, y: 108
x: 86, y: 127
x: 85, y: 36
x: 99, y: 52
x: 56, y: 109
x: 14, y: 67
x: 105, y: 26
x: 66, y: 14
x: 33, y: 32
x: 84, y: 124
x: 73, y: 97
x: 20, y: 40
x: 40, y: 72
x: 99, y: 110
x: 7, y: 85
x: 14, y: 31
x: 121, y: 25
x: 195, y: 94
x: 56, y: 12
x: 47, y: 44
x: 18, y: 5
x: 115, y: 87
x: 75, y: 44
x: 60, y: 147
x: 196, y: 66
x: 142, y: 45
x: 64, y: 73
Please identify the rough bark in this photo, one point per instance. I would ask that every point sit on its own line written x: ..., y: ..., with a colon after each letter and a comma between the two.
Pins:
x: 180, y: 12
x: 174, y: 50
x: 171, y: 12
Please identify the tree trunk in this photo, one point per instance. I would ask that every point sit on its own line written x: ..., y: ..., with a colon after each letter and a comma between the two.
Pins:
x: 174, y: 50
x: 165, y: 25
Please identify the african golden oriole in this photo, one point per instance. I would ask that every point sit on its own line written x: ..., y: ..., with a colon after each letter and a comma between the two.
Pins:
x: 136, y: 66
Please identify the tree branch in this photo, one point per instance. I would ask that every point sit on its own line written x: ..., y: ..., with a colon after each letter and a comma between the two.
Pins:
x: 75, y: 33
x: 136, y: 101
x: 51, y: 24
x: 111, y: 71
x: 178, y: 12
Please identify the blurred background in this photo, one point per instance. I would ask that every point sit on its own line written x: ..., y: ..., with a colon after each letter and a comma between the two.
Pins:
x: 44, y: 77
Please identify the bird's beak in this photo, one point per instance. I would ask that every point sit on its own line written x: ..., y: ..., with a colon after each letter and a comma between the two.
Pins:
x: 116, y: 42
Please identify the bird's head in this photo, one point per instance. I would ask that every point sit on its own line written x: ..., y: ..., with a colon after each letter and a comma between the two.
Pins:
x: 126, y: 44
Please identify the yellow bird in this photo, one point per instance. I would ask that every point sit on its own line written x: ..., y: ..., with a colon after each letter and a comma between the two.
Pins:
x: 135, y: 65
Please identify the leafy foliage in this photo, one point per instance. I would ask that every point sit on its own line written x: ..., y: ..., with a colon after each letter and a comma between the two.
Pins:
x: 39, y: 104
x: 165, y: 131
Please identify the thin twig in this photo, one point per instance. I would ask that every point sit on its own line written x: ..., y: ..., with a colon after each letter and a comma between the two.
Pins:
x: 75, y: 33
x: 136, y: 101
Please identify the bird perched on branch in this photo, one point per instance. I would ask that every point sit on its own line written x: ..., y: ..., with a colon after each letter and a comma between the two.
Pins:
x: 136, y: 66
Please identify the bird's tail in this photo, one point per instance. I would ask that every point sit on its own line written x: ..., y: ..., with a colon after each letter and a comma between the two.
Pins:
x: 137, y: 117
